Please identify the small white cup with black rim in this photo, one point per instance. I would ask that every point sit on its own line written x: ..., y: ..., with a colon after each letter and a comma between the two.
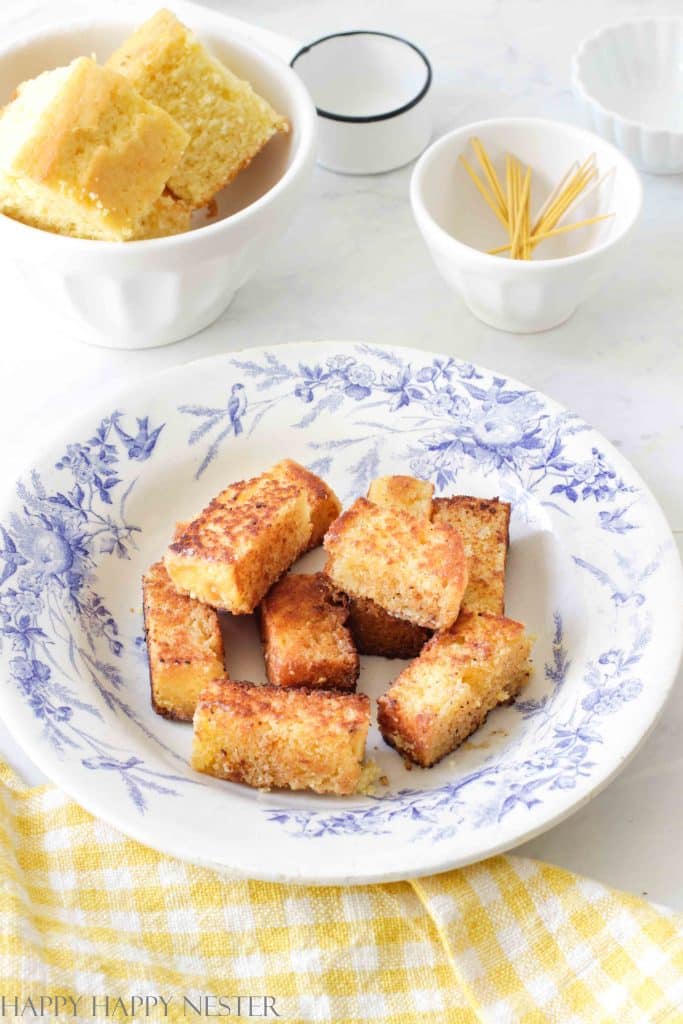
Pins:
x: 372, y: 93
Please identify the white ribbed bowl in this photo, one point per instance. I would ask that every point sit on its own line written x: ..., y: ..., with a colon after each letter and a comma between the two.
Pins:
x: 522, y: 296
x: 141, y: 294
x: 628, y: 78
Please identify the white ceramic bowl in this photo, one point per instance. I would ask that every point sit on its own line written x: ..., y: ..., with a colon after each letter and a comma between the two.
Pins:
x: 458, y: 227
x: 147, y: 293
x: 629, y: 80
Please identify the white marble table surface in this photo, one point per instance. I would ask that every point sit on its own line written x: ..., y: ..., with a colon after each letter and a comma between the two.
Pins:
x: 352, y: 266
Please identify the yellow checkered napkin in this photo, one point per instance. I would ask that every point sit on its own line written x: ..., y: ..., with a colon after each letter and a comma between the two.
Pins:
x: 88, y: 914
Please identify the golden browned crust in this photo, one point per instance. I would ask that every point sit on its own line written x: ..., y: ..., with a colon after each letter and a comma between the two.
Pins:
x: 306, y: 642
x: 225, y: 527
x: 406, y: 493
x: 414, y: 569
x: 376, y: 632
x: 184, y: 645
x: 395, y: 724
x: 281, y: 737
x: 460, y: 676
x: 243, y: 541
x: 179, y: 530
x: 323, y: 503
x: 343, y: 712
x: 484, y: 525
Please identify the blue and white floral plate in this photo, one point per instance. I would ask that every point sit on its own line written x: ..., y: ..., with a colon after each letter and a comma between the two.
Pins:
x: 593, y: 572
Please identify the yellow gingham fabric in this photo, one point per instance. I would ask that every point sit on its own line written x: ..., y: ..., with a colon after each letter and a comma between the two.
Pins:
x: 86, y: 912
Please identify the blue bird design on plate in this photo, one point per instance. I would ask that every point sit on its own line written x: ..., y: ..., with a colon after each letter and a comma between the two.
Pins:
x: 237, y: 404
x: 228, y: 418
x: 140, y: 446
x: 11, y: 557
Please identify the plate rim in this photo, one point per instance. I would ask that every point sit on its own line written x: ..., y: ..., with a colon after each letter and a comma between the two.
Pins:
x: 444, y: 855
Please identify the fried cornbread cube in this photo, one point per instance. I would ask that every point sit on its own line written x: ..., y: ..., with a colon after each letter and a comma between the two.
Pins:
x: 281, y: 737
x: 324, y: 505
x: 374, y: 630
x: 414, y: 569
x: 184, y: 645
x: 460, y: 676
x: 227, y: 121
x: 305, y: 639
x: 406, y: 493
x: 242, y: 542
x: 82, y: 153
x: 484, y: 525
x: 168, y: 216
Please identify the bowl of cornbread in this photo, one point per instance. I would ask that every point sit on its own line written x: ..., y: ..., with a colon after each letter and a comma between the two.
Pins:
x: 146, y: 169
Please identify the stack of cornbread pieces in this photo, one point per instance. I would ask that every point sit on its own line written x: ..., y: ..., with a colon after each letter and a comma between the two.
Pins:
x: 130, y: 149
x: 407, y: 576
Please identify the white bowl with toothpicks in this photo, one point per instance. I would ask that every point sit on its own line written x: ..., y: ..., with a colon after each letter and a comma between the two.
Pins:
x: 584, y: 198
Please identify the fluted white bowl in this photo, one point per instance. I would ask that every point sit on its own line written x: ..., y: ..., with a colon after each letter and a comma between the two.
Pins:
x: 522, y: 296
x: 628, y: 79
x: 146, y: 293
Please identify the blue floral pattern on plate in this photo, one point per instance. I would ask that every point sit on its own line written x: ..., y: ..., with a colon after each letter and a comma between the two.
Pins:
x: 49, y: 553
x: 458, y: 415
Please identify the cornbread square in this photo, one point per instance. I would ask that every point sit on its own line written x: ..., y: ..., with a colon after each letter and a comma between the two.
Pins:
x: 414, y: 569
x: 406, y: 493
x: 281, y: 737
x: 446, y: 693
x: 484, y: 525
x: 324, y: 505
x: 168, y: 216
x: 305, y: 639
x: 227, y: 122
x: 184, y: 645
x: 243, y: 541
x: 375, y: 631
x: 82, y: 153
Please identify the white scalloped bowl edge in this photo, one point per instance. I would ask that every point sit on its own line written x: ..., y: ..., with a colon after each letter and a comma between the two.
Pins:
x: 143, y: 294
x: 628, y: 79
